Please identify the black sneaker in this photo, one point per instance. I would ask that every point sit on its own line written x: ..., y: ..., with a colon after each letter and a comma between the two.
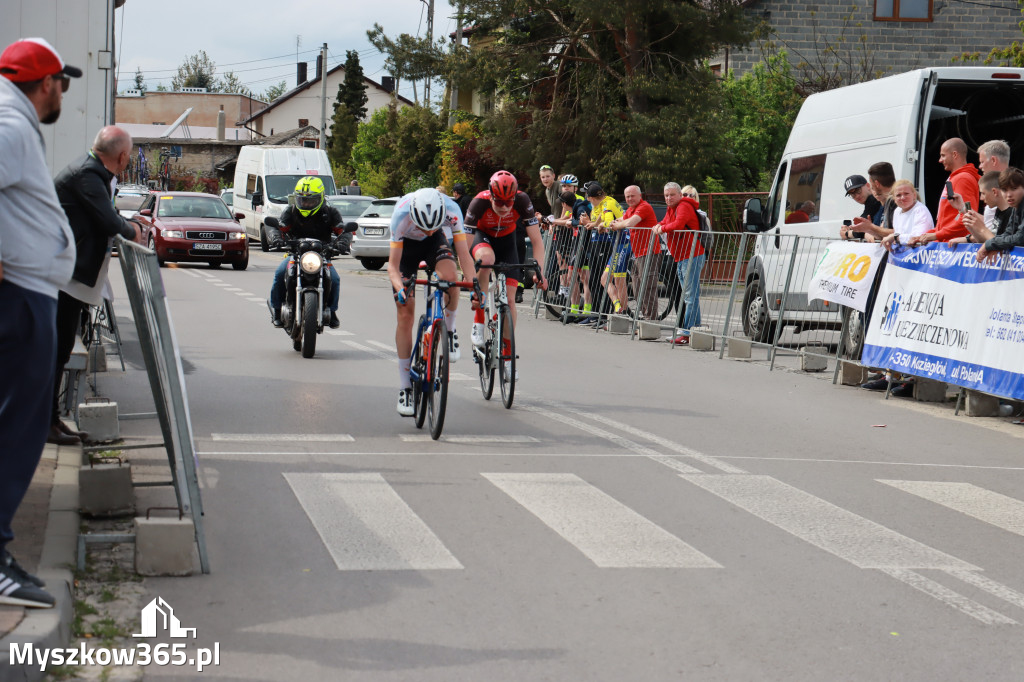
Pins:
x: 16, y: 590
x: 904, y: 390
x: 876, y: 384
x: 519, y: 294
x: 275, y: 317
x: 335, y: 322
x: 9, y: 561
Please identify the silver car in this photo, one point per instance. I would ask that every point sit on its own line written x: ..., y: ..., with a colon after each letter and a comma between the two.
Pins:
x: 350, y: 207
x: 371, y: 243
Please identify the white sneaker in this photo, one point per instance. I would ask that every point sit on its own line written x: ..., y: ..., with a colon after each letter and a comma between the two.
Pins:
x: 477, y: 335
x: 508, y: 366
x: 405, y: 402
x: 453, y: 347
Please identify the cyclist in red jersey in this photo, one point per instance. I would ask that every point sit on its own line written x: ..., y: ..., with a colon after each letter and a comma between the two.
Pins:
x: 491, y: 219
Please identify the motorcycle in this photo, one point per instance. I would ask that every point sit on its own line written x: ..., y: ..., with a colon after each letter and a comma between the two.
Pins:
x: 304, y: 311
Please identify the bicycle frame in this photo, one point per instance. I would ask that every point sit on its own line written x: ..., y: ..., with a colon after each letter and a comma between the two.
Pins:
x: 434, y: 296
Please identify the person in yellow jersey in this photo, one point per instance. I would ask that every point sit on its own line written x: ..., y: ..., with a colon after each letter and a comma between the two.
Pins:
x: 604, y: 211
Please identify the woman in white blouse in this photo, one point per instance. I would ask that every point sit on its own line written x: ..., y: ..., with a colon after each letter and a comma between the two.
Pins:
x: 911, y: 217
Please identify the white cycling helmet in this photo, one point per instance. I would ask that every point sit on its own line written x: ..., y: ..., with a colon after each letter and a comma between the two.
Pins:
x: 427, y: 209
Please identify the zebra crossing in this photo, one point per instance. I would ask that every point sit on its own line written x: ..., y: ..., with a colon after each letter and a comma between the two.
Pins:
x: 366, y: 525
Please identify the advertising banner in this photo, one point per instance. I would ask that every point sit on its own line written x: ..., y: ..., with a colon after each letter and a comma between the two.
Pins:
x: 845, y: 273
x: 943, y: 315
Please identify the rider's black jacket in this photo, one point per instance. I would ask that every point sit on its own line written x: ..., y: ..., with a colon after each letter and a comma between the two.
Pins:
x: 323, y: 225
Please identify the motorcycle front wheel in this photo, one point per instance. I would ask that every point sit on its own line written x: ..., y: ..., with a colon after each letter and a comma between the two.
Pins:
x: 310, y: 318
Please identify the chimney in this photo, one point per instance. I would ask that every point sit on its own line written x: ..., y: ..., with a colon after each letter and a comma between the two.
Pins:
x: 221, y: 122
x: 319, y: 66
x: 388, y: 83
x: 300, y: 74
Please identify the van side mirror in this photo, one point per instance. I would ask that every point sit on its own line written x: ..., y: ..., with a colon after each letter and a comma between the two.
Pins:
x: 257, y: 199
x: 753, y: 220
x: 350, y: 227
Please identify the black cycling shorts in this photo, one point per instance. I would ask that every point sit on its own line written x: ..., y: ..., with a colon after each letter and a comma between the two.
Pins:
x: 504, y: 248
x: 430, y: 249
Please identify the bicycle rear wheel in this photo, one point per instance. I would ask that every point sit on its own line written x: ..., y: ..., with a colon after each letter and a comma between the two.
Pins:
x: 437, y: 400
x: 506, y: 343
x: 420, y: 365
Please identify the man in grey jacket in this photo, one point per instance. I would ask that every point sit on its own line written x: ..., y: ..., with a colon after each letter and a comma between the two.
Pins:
x: 37, y: 255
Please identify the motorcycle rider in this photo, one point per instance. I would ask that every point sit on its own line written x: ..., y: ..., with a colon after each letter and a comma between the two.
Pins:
x: 309, y: 218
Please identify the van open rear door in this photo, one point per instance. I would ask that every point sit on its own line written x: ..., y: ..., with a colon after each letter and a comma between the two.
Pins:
x: 923, y: 116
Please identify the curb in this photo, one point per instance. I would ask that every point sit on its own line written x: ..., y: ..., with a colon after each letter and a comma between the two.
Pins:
x: 51, y: 628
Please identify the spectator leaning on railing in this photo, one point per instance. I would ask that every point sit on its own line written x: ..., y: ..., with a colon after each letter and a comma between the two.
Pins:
x: 995, y: 198
x: 993, y: 156
x: 1011, y: 182
x: 964, y: 177
x: 639, y: 219
x: 680, y: 225
x: 880, y: 180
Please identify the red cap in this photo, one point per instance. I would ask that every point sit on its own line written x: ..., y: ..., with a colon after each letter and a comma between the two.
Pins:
x: 32, y: 59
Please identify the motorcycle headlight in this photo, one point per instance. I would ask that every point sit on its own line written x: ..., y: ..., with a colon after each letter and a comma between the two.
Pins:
x: 311, y: 262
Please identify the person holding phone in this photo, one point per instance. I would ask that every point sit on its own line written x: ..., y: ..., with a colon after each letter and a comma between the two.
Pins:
x: 880, y: 179
x: 961, y: 187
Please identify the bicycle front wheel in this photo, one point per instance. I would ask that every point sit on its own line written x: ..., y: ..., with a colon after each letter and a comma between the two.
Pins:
x: 506, y: 356
x: 485, y: 363
x: 419, y: 363
x: 437, y: 399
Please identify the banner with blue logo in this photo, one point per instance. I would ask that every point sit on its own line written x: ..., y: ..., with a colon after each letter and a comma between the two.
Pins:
x: 942, y: 315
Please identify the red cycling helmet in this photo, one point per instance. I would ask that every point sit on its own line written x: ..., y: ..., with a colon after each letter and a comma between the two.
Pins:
x: 503, y: 186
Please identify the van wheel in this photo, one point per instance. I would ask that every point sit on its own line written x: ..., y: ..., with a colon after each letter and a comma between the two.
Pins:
x: 853, y: 337
x: 756, y: 322
x: 373, y: 263
x: 264, y: 244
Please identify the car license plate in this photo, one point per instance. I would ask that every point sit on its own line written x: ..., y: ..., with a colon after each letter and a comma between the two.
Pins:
x: 373, y: 231
x: 206, y: 247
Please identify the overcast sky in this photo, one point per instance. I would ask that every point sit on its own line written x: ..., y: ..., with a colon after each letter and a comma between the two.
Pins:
x: 256, y: 39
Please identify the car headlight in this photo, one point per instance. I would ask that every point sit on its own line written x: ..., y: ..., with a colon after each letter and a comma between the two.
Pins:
x: 311, y: 262
x: 236, y: 235
x: 172, y: 234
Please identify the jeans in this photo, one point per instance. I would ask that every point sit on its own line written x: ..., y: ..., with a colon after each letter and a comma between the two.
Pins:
x: 28, y: 354
x: 277, y: 290
x: 688, y: 272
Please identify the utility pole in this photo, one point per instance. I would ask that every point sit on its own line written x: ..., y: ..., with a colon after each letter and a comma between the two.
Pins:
x: 430, y: 41
x: 323, y: 97
x: 454, y: 104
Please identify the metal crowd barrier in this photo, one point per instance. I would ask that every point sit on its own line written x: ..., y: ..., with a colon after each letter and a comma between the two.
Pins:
x: 734, y: 303
x: 166, y: 379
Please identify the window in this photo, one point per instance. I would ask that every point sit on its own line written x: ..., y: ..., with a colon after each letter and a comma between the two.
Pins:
x: 310, y: 143
x: 250, y: 186
x: 803, y: 194
x: 903, y: 10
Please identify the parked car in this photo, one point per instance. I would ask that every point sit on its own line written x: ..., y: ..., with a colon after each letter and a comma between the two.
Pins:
x: 371, y: 243
x: 191, y: 227
x: 129, y: 199
x: 350, y: 207
x: 228, y: 195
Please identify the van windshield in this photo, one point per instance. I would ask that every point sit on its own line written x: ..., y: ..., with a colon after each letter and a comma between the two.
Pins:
x: 280, y: 186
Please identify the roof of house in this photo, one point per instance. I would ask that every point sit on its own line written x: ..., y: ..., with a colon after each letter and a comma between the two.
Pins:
x: 307, y: 85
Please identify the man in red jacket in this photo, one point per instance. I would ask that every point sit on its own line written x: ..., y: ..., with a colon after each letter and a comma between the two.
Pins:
x: 680, y: 225
x: 964, y: 176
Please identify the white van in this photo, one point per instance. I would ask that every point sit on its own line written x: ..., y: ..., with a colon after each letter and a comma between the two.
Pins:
x: 902, y: 119
x: 266, y: 175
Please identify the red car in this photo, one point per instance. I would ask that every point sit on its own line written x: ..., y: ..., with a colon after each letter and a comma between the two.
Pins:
x: 191, y: 227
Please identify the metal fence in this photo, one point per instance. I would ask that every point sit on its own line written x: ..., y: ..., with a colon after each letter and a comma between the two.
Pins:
x: 166, y: 378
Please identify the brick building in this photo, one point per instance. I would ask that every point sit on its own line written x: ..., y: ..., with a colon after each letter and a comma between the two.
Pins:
x: 899, y: 35
x: 163, y: 108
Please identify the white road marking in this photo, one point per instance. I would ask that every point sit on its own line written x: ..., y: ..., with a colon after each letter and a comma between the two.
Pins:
x: 948, y: 596
x: 338, y: 332
x: 991, y: 507
x: 459, y: 376
x: 282, y: 437
x: 606, y: 531
x: 862, y: 542
x: 220, y: 284
x: 366, y: 526
x: 234, y: 289
x: 871, y: 461
x: 418, y: 438
x: 617, y: 440
x: 257, y: 300
x: 991, y: 586
x: 372, y: 351
x: 390, y: 347
x: 187, y: 272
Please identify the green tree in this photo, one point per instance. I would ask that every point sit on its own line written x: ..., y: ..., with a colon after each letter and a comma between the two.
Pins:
x: 229, y: 82
x: 410, y: 57
x: 396, y: 150
x: 1010, y: 55
x: 344, y: 129
x: 197, y: 71
x: 352, y: 90
x: 140, y: 82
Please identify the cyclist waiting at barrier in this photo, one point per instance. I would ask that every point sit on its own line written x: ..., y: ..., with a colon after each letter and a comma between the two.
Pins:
x: 564, y: 239
x: 604, y: 219
x: 493, y: 215
x: 422, y: 226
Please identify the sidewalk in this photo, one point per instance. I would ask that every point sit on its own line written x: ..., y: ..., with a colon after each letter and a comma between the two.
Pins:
x: 46, y: 532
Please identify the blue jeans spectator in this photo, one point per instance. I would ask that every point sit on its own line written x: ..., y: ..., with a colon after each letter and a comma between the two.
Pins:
x: 688, y: 271
x: 277, y: 290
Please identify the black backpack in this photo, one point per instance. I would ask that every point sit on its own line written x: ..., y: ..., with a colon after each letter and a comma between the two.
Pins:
x: 705, y: 236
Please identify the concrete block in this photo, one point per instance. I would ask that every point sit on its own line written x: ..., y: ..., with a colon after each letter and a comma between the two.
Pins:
x: 550, y: 315
x: 929, y: 390
x: 813, y: 359
x: 99, y: 420
x: 701, y: 338
x: 98, y: 358
x: 852, y: 373
x: 619, y: 324
x: 739, y: 348
x: 164, y: 546
x: 981, y: 404
x: 106, y: 490
x: 649, y: 331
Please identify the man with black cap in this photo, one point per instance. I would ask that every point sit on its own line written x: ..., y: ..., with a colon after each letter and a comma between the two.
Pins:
x: 37, y: 257
x: 857, y: 188
x: 461, y: 197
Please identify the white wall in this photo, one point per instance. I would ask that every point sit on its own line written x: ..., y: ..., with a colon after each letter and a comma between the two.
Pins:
x: 80, y: 31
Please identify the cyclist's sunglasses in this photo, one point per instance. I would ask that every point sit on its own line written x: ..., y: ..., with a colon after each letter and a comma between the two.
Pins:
x: 547, y: 167
x: 504, y: 203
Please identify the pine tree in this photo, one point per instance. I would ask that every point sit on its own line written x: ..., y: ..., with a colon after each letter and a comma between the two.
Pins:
x: 140, y: 81
x: 352, y: 91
